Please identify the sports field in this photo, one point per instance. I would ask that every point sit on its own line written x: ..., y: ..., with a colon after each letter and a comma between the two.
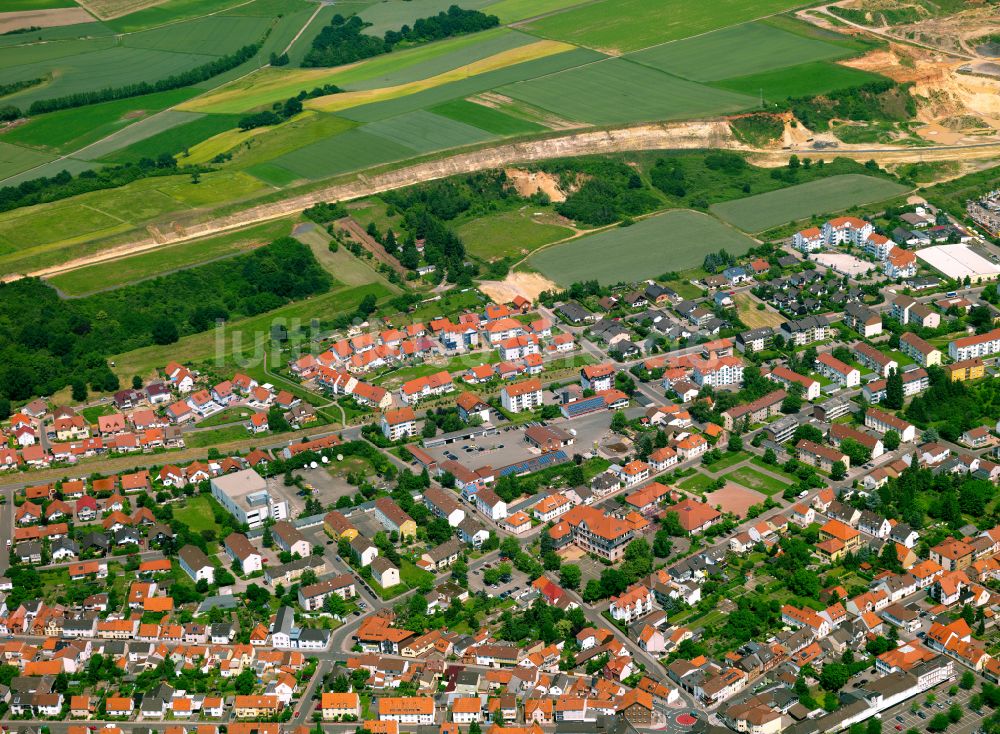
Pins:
x: 128, y: 270
x: 762, y: 48
x: 823, y: 196
x: 757, y: 480
x: 629, y: 25
x: 616, y: 91
x: 676, y: 240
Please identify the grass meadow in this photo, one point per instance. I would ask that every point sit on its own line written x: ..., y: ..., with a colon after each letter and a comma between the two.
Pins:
x: 511, y: 233
x: 629, y: 25
x: 675, y: 240
x: 822, y: 196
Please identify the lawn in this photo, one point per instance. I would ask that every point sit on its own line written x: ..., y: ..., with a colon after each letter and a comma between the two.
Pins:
x: 753, y: 479
x: 629, y: 25
x: 762, y: 48
x: 822, y: 196
x: 215, y: 436
x: 228, y: 415
x: 727, y: 461
x: 166, y: 259
x: 698, y: 483
x: 809, y: 79
x: 666, y: 242
x: 68, y: 130
x: 94, y: 412
x: 197, y: 514
x: 412, y: 576
x: 511, y: 233
x: 758, y: 461
x: 616, y: 91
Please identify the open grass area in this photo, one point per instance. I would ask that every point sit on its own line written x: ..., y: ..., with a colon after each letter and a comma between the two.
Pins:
x: 215, y: 436
x: 762, y: 47
x: 758, y: 461
x: 753, y: 479
x: 698, y: 483
x: 617, y: 90
x: 228, y: 415
x: 672, y: 241
x: 68, y: 130
x: 512, y: 233
x: 196, y: 513
x: 822, y: 196
x: 166, y: 259
x: 752, y: 316
x: 629, y: 25
x: 727, y: 460
x: 816, y: 77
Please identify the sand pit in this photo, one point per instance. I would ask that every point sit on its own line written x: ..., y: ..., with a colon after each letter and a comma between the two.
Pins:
x: 49, y: 18
x: 735, y: 499
x: 527, y: 285
x: 531, y: 182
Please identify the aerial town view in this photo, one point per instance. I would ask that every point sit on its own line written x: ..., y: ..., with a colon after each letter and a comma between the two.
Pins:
x: 499, y: 366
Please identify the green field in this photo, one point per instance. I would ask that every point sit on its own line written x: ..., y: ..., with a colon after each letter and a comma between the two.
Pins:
x: 353, y: 150
x: 175, y: 139
x: 472, y: 85
x: 165, y: 259
x: 216, y: 35
x: 511, y: 233
x: 804, y: 80
x: 14, y: 6
x: 51, y: 233
x: 171, y: 11
x: 426, y: 132
x: 510, y: 10
x: 486, y: 118
x: 617, y: 91
x: 698, y: 483
x: 15, y: 159
x: 629, y: 25
x: 196, y: 513
x: 753, y: 479
x: 823, y: 196
x: 762, y: 47
x: 666, y: 242
x: 393, y: 14
x: 69, y: 130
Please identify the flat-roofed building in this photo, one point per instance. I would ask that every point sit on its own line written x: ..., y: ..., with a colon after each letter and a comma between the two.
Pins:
x: 245, y: 496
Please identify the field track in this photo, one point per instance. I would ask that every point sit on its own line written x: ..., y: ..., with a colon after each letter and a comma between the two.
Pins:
x: 678, y: 136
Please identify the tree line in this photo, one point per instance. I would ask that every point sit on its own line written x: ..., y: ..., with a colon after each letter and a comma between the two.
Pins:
x: 47, y: 343
x: 281, y: 111
x: 175, y: 81
x: 344, y: 41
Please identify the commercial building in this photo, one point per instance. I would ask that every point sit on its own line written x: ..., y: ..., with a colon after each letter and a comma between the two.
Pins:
x: 245, y: 496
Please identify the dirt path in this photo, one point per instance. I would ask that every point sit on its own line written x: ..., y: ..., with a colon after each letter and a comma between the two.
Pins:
x: 672, y: 136
x: 359, y: 235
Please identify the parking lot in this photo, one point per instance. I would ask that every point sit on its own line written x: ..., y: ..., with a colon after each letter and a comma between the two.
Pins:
x: 518, y: 582
x: 902, y: 717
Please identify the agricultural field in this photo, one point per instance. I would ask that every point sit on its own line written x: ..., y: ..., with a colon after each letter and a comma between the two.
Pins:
x: 69, y: 130
x: 823, y: 196
x: 175, y: 133
x: 15, y: 6
x: 47, y: 234
x: 666, y: 242
x: 486, y: 118
x: 14, y: 159
x: 802, y: 80
x: 617, y: 91
x: 763, y: 47
x: 512, y: 233
x: 629, y: 25
x: 512, y: 10
x: 162, y: 260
